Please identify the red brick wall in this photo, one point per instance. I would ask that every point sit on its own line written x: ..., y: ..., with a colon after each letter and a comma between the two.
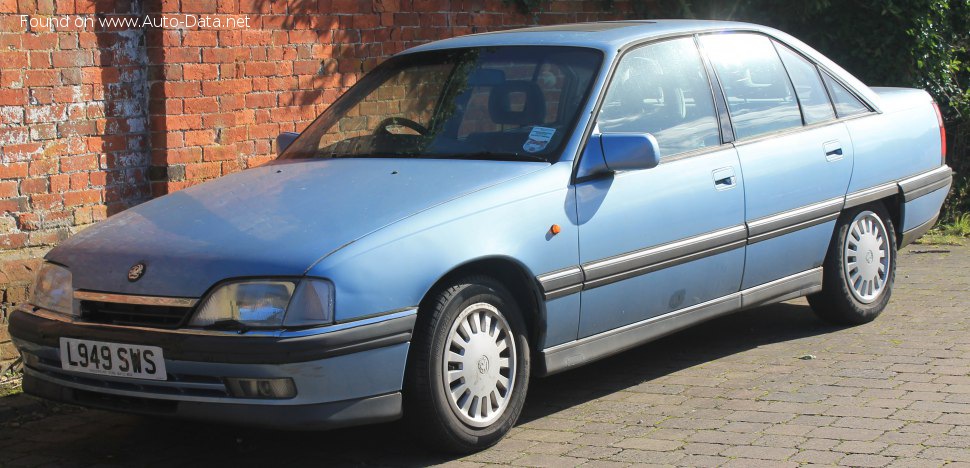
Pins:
x: 94, y: 120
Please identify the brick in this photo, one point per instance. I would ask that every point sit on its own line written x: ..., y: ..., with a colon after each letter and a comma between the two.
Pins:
x: 82, y: 197
x: 30, y: 186
x: 13, y: 170
x: 13, y: 97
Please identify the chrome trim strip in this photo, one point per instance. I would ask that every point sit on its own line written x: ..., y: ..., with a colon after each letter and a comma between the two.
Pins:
x: 556, y: 281
x: 563, y: 292
x: 351, y: 324
x: 797, y: 218
x: 632, y: 263
x: 137, y: 300
x: 793, y: 228
x: 871, y: 194
x: 391, y: 315
x: 597, y: 273
x: 927, y: 178
x: 789, y: 287
x: 911, y: 235
x: 584, y: 350
x: 927, y: 189
x: 651, y: 267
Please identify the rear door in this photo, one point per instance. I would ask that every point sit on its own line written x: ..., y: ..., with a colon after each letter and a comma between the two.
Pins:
x: 796, y: 157
x: 657, y: 240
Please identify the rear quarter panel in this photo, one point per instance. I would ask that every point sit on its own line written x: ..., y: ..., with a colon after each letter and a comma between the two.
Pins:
x: 902, y: 141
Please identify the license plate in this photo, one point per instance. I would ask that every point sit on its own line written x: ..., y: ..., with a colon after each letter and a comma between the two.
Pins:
x: 115, y: 359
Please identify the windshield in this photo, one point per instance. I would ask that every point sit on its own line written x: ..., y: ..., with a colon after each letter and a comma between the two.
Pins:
x: 505, y: 103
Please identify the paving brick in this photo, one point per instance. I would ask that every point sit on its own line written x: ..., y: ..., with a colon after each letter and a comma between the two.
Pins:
x: 693, y: 399
x: 761, y: 453
x: 865, y: 460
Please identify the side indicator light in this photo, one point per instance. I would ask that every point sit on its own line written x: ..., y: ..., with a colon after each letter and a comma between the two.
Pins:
x: 555, y: 229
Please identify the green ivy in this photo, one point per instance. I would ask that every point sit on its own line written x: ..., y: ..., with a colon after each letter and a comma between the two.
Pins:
x: 911, y: 43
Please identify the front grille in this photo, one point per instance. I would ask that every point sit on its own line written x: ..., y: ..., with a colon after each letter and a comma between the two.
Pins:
x: 115, y: 313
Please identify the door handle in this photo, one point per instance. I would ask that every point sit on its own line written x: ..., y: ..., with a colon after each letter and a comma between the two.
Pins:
x: 724, y: 178
x: 833, y: 150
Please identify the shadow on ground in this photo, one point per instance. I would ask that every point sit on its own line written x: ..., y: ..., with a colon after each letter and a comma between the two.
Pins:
x: 110, y: 438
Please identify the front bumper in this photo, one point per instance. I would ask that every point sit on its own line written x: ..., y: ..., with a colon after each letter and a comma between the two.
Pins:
x: 345, y: 374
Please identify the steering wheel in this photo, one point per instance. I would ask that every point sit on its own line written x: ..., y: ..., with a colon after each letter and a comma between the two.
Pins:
x: 400, y: 121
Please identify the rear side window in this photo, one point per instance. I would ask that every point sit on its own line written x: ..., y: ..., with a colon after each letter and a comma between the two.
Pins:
x: 662, y: 89
x: 846, y: 104
x: 759, y: 94
x: 811, y: 93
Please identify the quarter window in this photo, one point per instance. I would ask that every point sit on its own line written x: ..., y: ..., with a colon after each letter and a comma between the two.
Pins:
x: 662, y: 89
x: 846, y: 104
x: 759, y: 94
x: 811, y: 93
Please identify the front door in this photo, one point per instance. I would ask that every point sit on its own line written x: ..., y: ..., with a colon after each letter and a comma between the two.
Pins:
x: 658, y: 240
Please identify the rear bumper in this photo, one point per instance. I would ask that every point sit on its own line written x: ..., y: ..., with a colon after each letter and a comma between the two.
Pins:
x: 344, y: 375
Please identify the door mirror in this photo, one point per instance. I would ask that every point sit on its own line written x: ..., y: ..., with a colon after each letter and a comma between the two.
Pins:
x: 630, y: 151
x: 284, y: 140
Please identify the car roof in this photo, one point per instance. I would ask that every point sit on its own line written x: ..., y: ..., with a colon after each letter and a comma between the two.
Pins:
x: 605, y: 35
x: 612, y: 36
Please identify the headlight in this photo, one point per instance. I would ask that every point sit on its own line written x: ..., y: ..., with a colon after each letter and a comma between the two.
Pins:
x: 53, y: 290
x: 267, y: 304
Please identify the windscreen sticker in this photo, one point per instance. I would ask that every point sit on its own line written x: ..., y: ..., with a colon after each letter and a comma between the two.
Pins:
x: 538, y: 139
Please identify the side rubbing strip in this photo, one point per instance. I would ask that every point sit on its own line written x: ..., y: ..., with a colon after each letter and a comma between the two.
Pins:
x: 926, y: 189
x: 602, y: 272
x: 871, y: 194
x: 561, y: 282
x: 790, y: 287
x: 640, y: 262
x: 915, y: 187
x: 793, y: 220
x: 585, y: 350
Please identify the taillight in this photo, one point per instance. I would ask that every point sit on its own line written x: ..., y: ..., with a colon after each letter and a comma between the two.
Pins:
x: 939, y: 120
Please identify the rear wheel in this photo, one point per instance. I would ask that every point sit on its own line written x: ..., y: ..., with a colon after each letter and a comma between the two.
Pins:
x: 859, y: 269
x: 469, y: 367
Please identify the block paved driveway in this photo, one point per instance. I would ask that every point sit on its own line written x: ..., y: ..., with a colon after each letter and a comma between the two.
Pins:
x: 732, y: 392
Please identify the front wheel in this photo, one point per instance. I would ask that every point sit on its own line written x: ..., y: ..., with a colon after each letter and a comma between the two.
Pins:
x: 469, y: 368
x: 859, y: 268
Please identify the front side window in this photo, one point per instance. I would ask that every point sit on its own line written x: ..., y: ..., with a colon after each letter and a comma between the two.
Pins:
x: 662, y: 89
x: 816, y: 106
x: 504, y: 103
x: 759, y: 94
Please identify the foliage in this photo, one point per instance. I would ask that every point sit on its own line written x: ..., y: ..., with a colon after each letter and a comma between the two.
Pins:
x: 910, y: 43
x: 960, y: 226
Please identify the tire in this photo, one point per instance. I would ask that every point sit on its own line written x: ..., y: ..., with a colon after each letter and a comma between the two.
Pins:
x: 856, y: 290
x: 450, y: 413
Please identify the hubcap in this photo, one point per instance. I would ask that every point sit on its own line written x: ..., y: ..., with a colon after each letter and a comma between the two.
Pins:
x: 479, y: 366
x: 866, y: 257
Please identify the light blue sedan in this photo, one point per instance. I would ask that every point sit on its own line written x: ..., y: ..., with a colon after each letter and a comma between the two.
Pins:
x: 485, y: 209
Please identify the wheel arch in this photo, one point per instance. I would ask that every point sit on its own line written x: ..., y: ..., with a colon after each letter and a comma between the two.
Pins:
x: 515, y: 276
x: 895, y: 206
